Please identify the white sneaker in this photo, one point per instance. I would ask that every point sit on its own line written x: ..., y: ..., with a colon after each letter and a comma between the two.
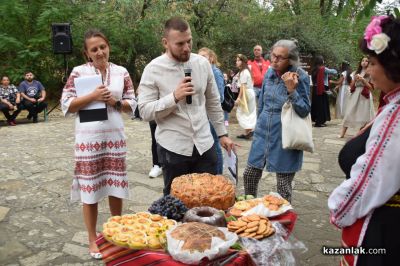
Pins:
x: 226, y: 123
x: 155, y: 171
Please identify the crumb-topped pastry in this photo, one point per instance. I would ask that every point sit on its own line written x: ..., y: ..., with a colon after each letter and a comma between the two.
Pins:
x: 196, y: 190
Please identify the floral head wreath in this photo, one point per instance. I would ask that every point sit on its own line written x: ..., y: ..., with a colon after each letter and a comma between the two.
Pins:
x: 373, y: 35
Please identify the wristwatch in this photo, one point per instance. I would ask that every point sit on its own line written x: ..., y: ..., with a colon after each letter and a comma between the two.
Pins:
x: 118, y: 105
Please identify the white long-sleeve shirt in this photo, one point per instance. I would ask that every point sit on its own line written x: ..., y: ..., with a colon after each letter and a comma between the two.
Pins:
x: 181, y: 126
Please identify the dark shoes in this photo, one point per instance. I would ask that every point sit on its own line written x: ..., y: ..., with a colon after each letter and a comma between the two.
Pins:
x: 248, y: 136
x: 320, y: 125
x: 29, y: 117
x: 35, y: 119
x: 11, y: 123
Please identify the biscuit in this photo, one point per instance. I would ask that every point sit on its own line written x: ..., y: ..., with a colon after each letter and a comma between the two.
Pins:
x: 244, y: 234
x: 261, y: 228
x: 253, y: 217
x: 251, y: 229
x: 245, y: 219
x: 238, y: 223
x: 263, y: 221
x: 242, y: 229
x: 252, y: 234
x: 259, y: 237
x: 252, y: 224
x: 233, y: 228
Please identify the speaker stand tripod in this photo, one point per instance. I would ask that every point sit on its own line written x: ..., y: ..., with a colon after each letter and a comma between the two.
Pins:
x: 64, y: 80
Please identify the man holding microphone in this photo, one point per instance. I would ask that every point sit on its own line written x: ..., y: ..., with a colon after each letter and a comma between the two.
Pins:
x: 178, y: 91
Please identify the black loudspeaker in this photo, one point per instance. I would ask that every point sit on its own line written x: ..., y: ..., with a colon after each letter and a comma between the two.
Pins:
x: 62, y: 39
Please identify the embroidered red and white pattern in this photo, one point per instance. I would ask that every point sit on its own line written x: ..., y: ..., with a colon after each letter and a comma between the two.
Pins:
x: 374, y: 178
x: 100, y: 146
x: 103, y: 184
x: 91, y: 131
x: 374, y: 155
x: 91, y: 157
x: 94, y: 167
x: 102, y: 174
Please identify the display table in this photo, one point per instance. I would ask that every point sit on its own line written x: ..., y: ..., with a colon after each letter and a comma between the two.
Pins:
x: 115, y: 255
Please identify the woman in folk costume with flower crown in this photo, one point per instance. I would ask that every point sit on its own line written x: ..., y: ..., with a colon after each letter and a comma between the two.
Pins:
x: 360, y: 106
x: 367, y: 205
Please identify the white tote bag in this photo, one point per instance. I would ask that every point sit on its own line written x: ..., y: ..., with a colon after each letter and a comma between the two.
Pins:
x: 296, y: 131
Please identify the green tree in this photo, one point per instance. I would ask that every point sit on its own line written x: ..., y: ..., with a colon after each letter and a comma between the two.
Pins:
x: 134, y: 28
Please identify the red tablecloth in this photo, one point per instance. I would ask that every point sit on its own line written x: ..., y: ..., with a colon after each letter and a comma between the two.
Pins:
x: 115, y: 255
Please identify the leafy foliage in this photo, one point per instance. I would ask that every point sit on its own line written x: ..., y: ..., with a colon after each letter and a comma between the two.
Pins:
x: 134, y: 28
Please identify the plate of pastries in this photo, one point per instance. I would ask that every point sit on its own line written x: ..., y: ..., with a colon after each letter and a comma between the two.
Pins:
x: 141, y: 230
x: 273, y: 203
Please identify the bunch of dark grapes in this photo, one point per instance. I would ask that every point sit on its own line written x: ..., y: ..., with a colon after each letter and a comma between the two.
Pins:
x: 170, y: 207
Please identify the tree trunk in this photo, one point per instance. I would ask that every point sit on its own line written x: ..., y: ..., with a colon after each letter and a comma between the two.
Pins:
x: 146, y: 4
x: 322, y: 7
x: 329, y: 7
x: 340, y: 7
x: 296, y: 7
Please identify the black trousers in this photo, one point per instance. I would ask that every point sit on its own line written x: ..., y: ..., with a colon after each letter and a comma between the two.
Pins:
x: 137, y: 114
x: 153, y: 126
x: 6, y: 111
x: 34, y: 108
x: 176, y: 165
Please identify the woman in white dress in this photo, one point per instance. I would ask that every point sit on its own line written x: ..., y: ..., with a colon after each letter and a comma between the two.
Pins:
x: 246, y: 112
x: 360, y: 106
x: 100, y: 146
x: 343, y: 88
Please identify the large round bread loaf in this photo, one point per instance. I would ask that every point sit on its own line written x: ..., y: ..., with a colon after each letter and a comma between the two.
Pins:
x: 196, y: 190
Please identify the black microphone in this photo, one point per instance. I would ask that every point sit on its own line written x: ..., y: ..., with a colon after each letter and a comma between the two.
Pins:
x: 188, y: 73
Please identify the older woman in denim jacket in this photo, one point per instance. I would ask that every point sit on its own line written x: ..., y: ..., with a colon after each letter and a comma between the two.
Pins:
x: 284, y: 81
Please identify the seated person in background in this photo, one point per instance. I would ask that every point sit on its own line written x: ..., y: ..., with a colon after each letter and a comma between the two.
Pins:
x: 9, y: 100
x: 33, y: 94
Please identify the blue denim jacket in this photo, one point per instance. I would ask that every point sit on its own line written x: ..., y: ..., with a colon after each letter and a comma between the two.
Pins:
x: 266, y: 149
x: 219, y: 79
x: 328, y: 72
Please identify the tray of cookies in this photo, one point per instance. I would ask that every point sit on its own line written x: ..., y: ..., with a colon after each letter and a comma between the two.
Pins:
x: 252, y: 226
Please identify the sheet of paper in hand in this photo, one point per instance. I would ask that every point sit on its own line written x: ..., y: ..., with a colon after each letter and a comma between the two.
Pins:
x: 95, y: 111
x: 231, y: 166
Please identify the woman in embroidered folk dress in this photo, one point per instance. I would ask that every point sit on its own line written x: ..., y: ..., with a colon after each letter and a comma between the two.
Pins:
x: 284, y: 81
x: 100, y: 146
x: 343, y: 89
x: 360, y: 106
x: 367, y: 205
x: 246, y: 112
x: 320, y: 112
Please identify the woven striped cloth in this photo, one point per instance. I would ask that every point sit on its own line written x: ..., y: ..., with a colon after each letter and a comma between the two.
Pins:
x: 115, y: 255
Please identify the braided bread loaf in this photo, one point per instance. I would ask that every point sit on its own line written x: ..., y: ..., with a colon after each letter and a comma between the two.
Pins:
x: 196, y: 190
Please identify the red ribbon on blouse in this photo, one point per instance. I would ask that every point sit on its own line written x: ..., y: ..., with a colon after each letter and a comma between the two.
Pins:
x: 320, y: 81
